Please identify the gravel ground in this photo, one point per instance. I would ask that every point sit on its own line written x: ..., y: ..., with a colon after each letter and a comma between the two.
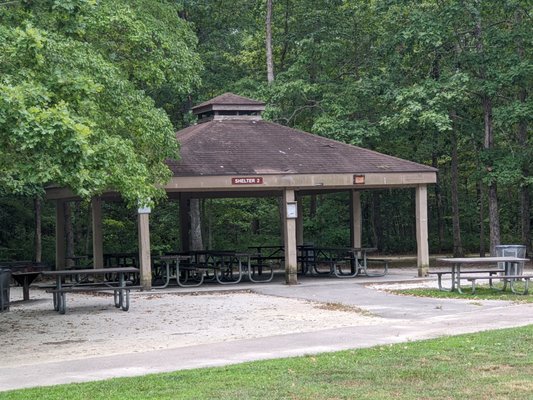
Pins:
x: 33, y: 333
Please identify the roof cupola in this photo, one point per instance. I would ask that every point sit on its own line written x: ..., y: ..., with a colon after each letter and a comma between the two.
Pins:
x: 229, y: 106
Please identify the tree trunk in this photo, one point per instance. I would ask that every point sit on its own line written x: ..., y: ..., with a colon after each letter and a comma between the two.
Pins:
x: 457, y: 242
x: 312, y: 206
x: 78, y: 228
x: 209, y: 224
x: 494, y: 213
x: 69, y: 235
x: 481, y: 196
x: 525, y: 208
x: 281, y: 214
x: 255, y: 226
x: 525, y: 201
x: 377, y: 231
x: 269, y: 62
x: 37, y: 241
x: 286, y: 40
x: 88, y: 231
x: 488, y: 144
x: 438, y: 205
x: 196, y: 226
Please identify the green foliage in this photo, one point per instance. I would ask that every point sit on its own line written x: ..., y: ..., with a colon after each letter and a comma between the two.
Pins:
x: 74, y: 109
x: 240, y: 223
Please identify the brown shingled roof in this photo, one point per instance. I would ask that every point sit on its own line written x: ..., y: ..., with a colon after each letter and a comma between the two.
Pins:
x: 248, y: 147
x: 229, y: 99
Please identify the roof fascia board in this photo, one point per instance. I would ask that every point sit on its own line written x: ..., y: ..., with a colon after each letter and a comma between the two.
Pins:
x: 314, y: 181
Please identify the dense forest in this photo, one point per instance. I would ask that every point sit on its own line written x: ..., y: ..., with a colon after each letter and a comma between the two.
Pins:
x: 92, y: 91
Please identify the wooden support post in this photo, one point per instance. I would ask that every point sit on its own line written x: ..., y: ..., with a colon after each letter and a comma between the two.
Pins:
x: 60, y: 235
x: 289, y: 230
x: 143, y: 223
x: 422, y: 230
x: 355, y: 219
x: 98, y: 239
x: 300, y: 222
x: 185, y: 221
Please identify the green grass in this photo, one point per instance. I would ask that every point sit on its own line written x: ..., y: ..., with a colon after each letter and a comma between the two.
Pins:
x: 490, y: 365
x: 483, y: 292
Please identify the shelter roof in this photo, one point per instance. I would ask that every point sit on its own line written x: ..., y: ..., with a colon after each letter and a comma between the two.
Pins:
x: 227, y: 101
x: 257, y: 147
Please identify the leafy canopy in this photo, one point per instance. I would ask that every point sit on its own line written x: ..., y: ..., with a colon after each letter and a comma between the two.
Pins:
x: 75, y: 109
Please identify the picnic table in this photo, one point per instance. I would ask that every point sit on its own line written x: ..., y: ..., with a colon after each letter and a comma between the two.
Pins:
x: 335, y: 258
x: 508, y: 273
x: 25, y: 272
x: 224, y: 265
x: 173, y: 261
x: 121, y: 286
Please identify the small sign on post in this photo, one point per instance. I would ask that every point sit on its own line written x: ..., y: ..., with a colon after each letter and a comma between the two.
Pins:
x: 292, y: 210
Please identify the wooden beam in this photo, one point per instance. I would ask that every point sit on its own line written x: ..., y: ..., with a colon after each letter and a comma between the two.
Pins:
x: 185, y: 221
x: 355, y: 219
x: 60, y: 235
x: 289, y: 225
x: 301, y: 182
x: 98, y: 238
x: 422, y: 230
x: 300, y: 222
x: 272, y: 183
x: 143, y: 224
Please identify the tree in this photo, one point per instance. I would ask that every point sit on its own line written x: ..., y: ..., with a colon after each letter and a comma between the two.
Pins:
x: 74, y: 109
x: 269, y: 63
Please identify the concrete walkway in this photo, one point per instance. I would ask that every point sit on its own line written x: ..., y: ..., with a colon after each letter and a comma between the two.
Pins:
x: 405, y: 318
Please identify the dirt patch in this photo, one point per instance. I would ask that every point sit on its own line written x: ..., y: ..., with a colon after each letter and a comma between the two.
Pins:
x: 342, y: 308
x: 32, y: 331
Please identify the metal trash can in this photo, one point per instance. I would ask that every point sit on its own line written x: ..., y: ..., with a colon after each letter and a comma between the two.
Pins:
x: 511, y: 250
x: 5, y: 282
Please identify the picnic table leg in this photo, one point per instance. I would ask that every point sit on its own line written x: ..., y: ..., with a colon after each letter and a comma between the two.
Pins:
x: 59, y: 298
x: 55, y: 296
x: 439, y: 281
x: 167, y: 278
x: 456, y: 271
x: 116, y: 298
x: 125, y: 299
x: 121, y: 291
x: 26, y: 289
x: 513, y: 281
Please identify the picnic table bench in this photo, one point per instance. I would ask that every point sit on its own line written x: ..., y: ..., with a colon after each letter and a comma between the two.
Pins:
x: 439, y: 274
x: 511, y: 279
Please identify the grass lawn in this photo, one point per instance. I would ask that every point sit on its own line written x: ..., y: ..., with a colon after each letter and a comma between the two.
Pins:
x: 489, y: 365
x: 483, y: 292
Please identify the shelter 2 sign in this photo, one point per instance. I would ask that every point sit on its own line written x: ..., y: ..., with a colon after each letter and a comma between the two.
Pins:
x: 254, y: 180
